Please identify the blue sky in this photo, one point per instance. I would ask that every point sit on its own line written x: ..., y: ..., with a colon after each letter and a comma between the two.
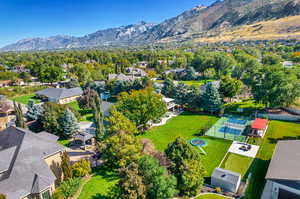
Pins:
x: 41, y: 18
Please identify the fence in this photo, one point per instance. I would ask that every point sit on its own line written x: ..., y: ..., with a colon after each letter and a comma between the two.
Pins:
x: 292, y: 110
x: 284, y: 117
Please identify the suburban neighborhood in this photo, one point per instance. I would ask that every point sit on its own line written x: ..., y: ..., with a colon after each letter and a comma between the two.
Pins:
x: 176, y: 120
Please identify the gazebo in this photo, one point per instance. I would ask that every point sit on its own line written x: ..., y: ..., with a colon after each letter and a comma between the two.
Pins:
x: 85, y: 138
x: 259, y: 127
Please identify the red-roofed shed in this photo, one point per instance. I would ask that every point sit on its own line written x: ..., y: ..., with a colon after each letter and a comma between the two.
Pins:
x: 260, y: 124
x: 259, y: 127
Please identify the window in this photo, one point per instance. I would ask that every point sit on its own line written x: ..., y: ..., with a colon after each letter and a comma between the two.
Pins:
x: 46, y: 195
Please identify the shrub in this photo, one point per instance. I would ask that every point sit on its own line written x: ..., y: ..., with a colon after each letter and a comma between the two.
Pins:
x: 218, y: 190
x: 2, y: 196
x: 58, y: 195
x: 69, y: 187
x: 81, y: 168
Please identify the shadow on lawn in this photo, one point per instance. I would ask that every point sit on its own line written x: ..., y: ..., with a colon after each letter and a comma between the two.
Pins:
x: 108, y: 176
x: 258, y: 170
x: 275, y: 140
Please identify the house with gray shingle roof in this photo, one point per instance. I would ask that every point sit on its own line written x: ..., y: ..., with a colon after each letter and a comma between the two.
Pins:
x: 29, y: 163
x: 60, y: 95
x: 283, y: 175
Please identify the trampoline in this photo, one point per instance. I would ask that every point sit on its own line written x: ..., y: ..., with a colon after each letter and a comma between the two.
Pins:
x: 198, y: 142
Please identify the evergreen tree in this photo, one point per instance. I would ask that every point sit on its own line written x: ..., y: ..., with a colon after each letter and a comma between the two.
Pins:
x: 35, y: 111
x: 69, y: 123
x: 168, y: 88
x: 131, y: 183
x: 66, y: 166
x: 98, y: 117
x: 211, y: 99
x: 19, y: 115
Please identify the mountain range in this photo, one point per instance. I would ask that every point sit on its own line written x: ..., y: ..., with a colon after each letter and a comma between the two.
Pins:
x: 199, y: 24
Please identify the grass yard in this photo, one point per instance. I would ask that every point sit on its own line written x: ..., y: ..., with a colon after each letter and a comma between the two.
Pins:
x: 237, y: 163
x: 211, y: 196
x: 65, y: 143
x: 248, y: 106
x: 86, y: 115
x: 196, y: 82
x: 25, y: 98
x: 188, y: 126
x: 100, y: 186
x: 278, y: 130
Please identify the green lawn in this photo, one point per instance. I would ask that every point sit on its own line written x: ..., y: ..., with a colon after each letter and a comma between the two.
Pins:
x: 25, y: 98
x: 100, y: 186
x: 237, y: 163
x: 86, y: 115
x: 278, y: 130
x: 188, y: 126
x: 196, y: 82
x: 65, y: 143
x: 248, y: 106
x: 211, y: 196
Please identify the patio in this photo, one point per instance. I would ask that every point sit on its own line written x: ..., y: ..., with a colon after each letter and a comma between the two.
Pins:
x: 243, y: 149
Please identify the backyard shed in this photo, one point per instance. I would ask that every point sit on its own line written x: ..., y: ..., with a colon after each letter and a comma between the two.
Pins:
x: 225, y: 179
x: 259, y: 127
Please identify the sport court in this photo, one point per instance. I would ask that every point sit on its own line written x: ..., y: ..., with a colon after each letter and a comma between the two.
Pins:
x: 230, y: 128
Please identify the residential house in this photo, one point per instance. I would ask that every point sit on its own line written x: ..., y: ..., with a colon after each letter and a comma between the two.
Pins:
x: 136, y: 72
x: 6, y: 113
x: 60, y: 95
x: 215, y: 84
x: 29, y: 163
x: 120, y: 77
x: 5, y: 83
x: 226, y: 180
x: 283, y: 176
x: 19, y: 69
x: 288, y: 64
x: 170, y: 103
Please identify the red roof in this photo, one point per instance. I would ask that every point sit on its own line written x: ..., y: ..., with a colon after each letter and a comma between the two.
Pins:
x: 259, y: 123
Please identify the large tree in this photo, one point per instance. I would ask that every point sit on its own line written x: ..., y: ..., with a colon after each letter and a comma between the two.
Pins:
x: 19, y: 115
x: 189, y: 177
x: 35, y: 111
x: 211, y: 99
x: 141, y: 106
x: 168, y: 88
x: 120, y: 150
x: 159, y: 184
x: 87, y: 100
x: 66, y: 166
x: 274, y: 87
x: 131, y: 185
x: 230, y: 87
x: 51, y: 74
x: 69, y: 123
x: 118, y: 122
x: 52, y: 117
x: 98, y: 117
